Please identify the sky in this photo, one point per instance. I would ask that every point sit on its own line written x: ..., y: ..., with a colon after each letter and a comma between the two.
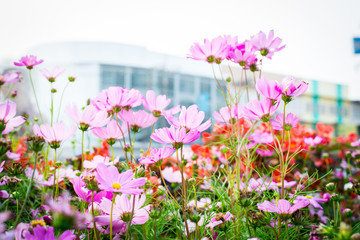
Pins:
x: 318, y: 33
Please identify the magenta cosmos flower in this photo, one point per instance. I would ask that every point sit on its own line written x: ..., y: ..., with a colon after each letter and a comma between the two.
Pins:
x: 90, y: 117
x: 190, y: 118
x: 268, y: 88
x: 47, y: 233
x: 111, y: 132
x: 256, y: 110
x: 51, y: 75
x: 215, y: 50
x: 282, y: 206
x: 157, y: 154
x: 28, y: 61
x: 111, y: 180
x: 290, y: 121
x: 85, y: 194
x: 259, y: 138
x: 176, y: 136
x: 157, y: 104
x: 137, y: 120
x: 244, y: 55
x: 122, y: 211
x: 291, y: 89
x: 267, y: 45
x: 219, y: 219
x: 54, y: 135
x: 10, y: 77
x: 224, y: 115
x: 8, y: 121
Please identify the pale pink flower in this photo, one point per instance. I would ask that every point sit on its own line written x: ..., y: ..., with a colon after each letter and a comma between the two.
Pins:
x: 313, y: 141
x: 256, y: 110
x: 224, y: 115
x: 259, y: 138
x: 90, y: 117
x: 28, y: 61
x: 157, y: 104
x: 202, y: 203
x: 13, y: 156
x: 244, y: 55
x: 291, y: 121
x: 267, y: 45
x: 355, y: 143
x: 215, y: 50
x: 10, y: 77
x: 190, y: 118
x: 54, y: 135
x: 172, y: 176
x: 111, y: 180
x: 157, y: 154
x: 122, y: 211
x: 268, y: 88
x: 313, y: 201
x: 85, y: 194
x: 111, y: 132
x: 291, y: 89
x: 39, y: 178
x: 282, y: 206
x: 51, y: 75
x: 176, y: 136
x: 139, y: 119
x: 8, y: 121
x: 220, y: 218
x: 96, y: 160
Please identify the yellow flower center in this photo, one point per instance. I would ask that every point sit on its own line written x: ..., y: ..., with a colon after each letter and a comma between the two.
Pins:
x: 309, y: 197
x: 116, y: 186
x: 37, y: 222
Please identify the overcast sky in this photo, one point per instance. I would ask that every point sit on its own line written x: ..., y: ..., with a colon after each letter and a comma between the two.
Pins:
x: 318, y: 33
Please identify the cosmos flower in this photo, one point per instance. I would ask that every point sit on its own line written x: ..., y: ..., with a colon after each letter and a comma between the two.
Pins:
x: 220, y: 218
x: 51, y: 75
x: 157, y: 154
x: 290, y: 88
x: 224, y: 115
x: 8, y: 121
x: 54, y: 135
x: 256, y: 110
x: 172, y: 176
x: 215, y: 50
x: 41, y: 233
x: 111, y: 132
x: 137, y: 120
x: 10, y: 77
x: 157, y: 104
x: 267, y: 45
x: 291, y: 121
x: 313, y: 141
x: 268, y: 88
x: 110, y: 179
x: 190, y: 118
x: 28, y: 61
x: 282, y: 206
x: 313, y: 201
x: 176, y: 136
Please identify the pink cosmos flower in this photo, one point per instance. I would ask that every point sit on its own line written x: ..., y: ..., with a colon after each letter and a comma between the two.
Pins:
x: 313, y: 141
x: 111, y: 132
x: 157, y: 154
x: 202, y: 203
x: 256, y: 110
x: 313, y: 201
x: 291, y: 121
x: 122, y: 211
x: 111, y: 180
x: 8, y: 121
x: 172, y: 176
x: 224, y: 115
x: 220, y: 218
x: 3, y: 217
x: 355, y: 143
x: 190, y: 118
x: 244, y: 54
x: 267, y: 45
x: 47, y: 233
x: 28, y: 61
x: 90, y: 117
x: 39, y: 178
x: 53, y: 74
x: 157, y: 105
x: 268, y: 88
x: 176, y: 136
x: 291, y: 89
x: 85, y: 194
x: 259, y: 138
x: 98, y: 159
x: 139, y: 119
x: 116, y: 98
x: 282, y: 206
x: 54, y: 135
x: 192, y: 225
x: 10, y: 77
x: 13, y: 156
x: 215, y: 50
x: 287, y: 184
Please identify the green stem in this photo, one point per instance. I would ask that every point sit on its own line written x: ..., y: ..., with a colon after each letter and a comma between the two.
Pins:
x: 247, y: 222
x: 131, y: 217
x: 154, y: 226
x: 283, y: 171
x: 37, y: 102
x: 52, y: 104
x: 183, y: 191
x: 111, y: 215
x: 152, y: 130
x: 112, y: 154
x: 27, y: 192
x: 93, y: 213
x: 61, y: 100
x: 8, y: 93
x: 82, y: 151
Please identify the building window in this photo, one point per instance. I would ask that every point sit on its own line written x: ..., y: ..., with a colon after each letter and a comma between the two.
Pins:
x: 112, y: 76
x: 187, y: 84
x: 140, y: 79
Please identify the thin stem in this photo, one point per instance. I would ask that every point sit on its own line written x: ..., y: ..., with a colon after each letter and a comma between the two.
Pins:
x: 57, y: 177
x: 282, y: 158
x: 112, y: 154
x: 27, y: 192
x: 247, y: 221
x: 152, y: 130
x: 162, y: 178
x: 37, y: 102
x: 247, y: 87
x: 154, y: 226
x: 111, y: 216
x: 61, y: 100
x: 52, y: 104
x: 93, y: 213
x: 222, y: 90
x: 226, y: 86
x: 122, y: 132
x: 183, y: 192
x: 129, y: 222
x: 82, y: 151
x: 254, y: 77
x: 8, y: 93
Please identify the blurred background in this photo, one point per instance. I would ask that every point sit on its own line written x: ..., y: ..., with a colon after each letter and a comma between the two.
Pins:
x: 143, y: 44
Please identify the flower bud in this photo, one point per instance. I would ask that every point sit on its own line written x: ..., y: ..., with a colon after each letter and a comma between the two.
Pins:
x: 53, y: 90
x: 91, y: 182
x: 330, y: 187
x: 355, y: 236
x: 72, y: 78
x: 36, y: 143
x: 347, y: 213
x: 140, y: 172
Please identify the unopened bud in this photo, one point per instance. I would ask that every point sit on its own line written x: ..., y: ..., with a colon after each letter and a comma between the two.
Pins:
x: 330, y: 187
x: 72, y: 78
x: 91, y: 182
x: 53, y: 90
